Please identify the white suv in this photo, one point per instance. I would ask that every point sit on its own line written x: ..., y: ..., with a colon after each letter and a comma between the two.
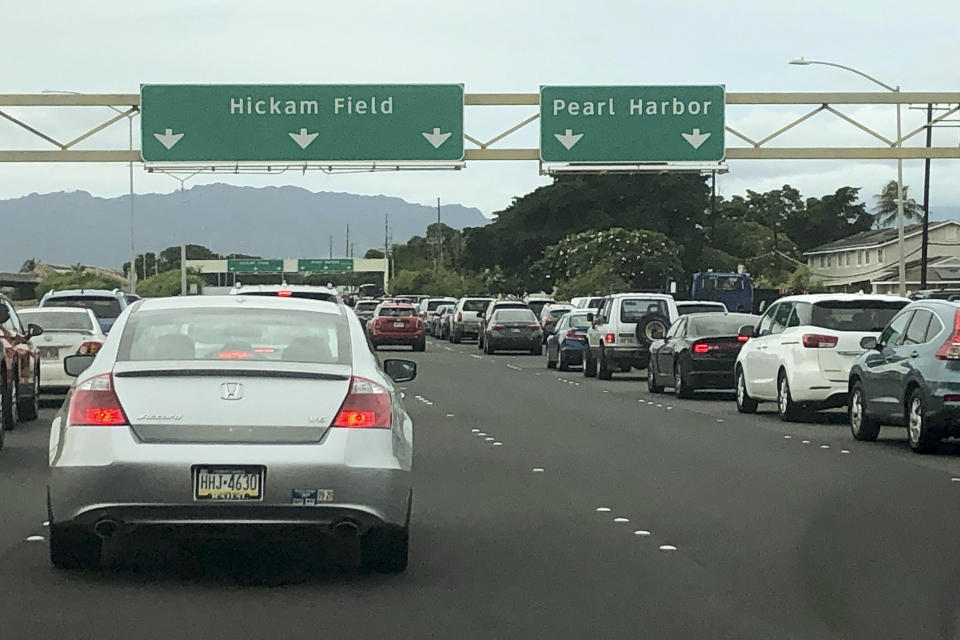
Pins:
x: 467, y: 317
x: 800, y: 352
x: 622, y: 329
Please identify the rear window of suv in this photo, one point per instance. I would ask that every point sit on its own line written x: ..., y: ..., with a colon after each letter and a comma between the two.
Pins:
x: 475, y: 306
x: 632, y: 309
x: 850, y: 315
x: 396, y: 312
x: 102, y: 306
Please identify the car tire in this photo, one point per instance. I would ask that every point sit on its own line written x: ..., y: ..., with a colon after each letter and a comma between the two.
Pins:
x: 680, y: 386
x: 421, y: 344
x: 5, y: 409
x: 788, y: 410
x: 74, y: 548
x: 604, y: 372
x: 589, y: 364
x: 454, y: 338
x: 11, y: 404
x: 921, y: 435
x: 862, y: 426
x: 537, y: 351
x: 745, y: 404
x: 652, y: 385
x: 29, y: 407
x: 650, y: 327
x: 385, y: 549
x: 562, y: 363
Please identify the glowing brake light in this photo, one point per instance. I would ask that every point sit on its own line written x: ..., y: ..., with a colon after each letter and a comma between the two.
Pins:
x: 950, y: 350
x: 367, y: 406
x: 742, y: 339
x: 284, y: 293
x: 574, y: 335
x: 819, y: 341
x: 701, y: 347
x: 610, y: 338
x: 233, y: 355
x: 90, y: 348
x: 95, y: 403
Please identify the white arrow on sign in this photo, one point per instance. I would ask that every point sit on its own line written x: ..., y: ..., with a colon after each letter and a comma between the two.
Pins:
x: 436, y: 138
x: 303, y: 138
x: 168, y: 138
x: 696, y: 138
x: 569, y: 138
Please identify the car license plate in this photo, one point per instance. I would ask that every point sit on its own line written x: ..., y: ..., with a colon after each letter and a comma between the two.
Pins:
x: 49, y: 353
x: 398, y: 325
x: 515, y: 330
x: 228, y: 483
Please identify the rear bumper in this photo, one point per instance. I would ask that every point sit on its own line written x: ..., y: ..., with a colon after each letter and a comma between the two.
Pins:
x: 396, y: 338
x: 52, y: 375
x: 466, y: 328
x: 638, y: 357
x: 526, y: 342
x: 809, y: 386
x: 712, y: 373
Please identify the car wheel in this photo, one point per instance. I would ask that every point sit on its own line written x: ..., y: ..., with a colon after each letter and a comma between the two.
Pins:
x: 29, y: 407
x: 652, y: 385
x: 421, y: 344
x: 385, y: 549
x: 5, y: 411
x: 680, y: 386
x: 11, y: 404
x: 562, y: 363
x: 745, y: 404
x: 920, y: 436
x: 862, y: 426
x: 537, y: 350
x: 788, y: 409
x: 603, y: 370
x: 74, y: 548
x: 589, y: 364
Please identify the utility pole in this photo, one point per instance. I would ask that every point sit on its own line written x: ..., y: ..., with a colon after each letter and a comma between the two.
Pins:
x: 183, y: 269
x: 440, y: 238
x: 386, y: 252
x: 331, y: 245
x: 346, y: 248
x: 926, y: 203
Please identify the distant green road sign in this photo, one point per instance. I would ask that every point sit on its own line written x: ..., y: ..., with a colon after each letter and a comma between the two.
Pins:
x: 249, y: 265
x: 597, y: 125
x: 301, y: 123
x: 325, y: 265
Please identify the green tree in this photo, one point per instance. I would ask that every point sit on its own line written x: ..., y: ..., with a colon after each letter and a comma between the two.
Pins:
x: 886, y: 207
x: 167, y: 283
x: 75, y: 279
x: 373, y: 254
x: 598, y: 280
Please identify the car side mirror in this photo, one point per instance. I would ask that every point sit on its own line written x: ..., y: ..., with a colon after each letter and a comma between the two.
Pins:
x: 4, y: 314
x: 76, y: 364
x: 747, y: 331
x: 400, y: 370
x: 869, y: 342
x: 590, y: 318
x: 34, y: 330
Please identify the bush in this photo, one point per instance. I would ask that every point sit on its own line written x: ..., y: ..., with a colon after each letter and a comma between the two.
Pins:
x: 167, y: 283
x: 78, y: 280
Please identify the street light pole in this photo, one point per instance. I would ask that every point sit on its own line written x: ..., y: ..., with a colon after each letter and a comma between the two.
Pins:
x: 900, y: 243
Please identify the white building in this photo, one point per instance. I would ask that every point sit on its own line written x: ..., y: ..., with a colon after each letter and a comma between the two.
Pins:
x: 868, y: 261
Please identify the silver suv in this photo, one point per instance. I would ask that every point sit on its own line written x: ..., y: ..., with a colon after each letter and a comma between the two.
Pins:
x: 467, y: 316
x: 621, y: 332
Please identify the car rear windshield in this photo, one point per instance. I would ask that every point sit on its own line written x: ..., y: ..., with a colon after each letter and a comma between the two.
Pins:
x: 306, y: 295
x: 397, y: 312
x: 103, y: 306
x: 854, y: 315
x: 594, y: 303
x: 700, y: 308
x: 475, y: 306
x: 579, y: 322
x: 514, y: 315
x: 58, y: 320
x: 719, y: 325
x: 557, y: 313
x: 433, y: 305
x: 222, y: 334
x: 366, y: 306
x: 632, y: 309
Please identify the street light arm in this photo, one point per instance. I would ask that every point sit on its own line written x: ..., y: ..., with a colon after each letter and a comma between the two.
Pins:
x: 850, y: 69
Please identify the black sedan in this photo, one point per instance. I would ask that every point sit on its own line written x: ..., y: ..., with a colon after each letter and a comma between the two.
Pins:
x: 513, y: 329
x: 698, y: 352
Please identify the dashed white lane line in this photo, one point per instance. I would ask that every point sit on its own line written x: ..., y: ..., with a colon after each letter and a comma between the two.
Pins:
x: 35, y: 539
x: 641, y: 532
x: 805, y: 441
x: 498, y: 444
x: 514, y: 367
x: 667, y: 547
x: 481, y: 434
x: 450, y: 415
x: 788, y: 437
x: 824, y: 446
x: 844, y: 451
x: 473, y: 355
x: 489, y: 439
x: 621, y: 519
x: 538, y: 470
x: 720, y: 420
x: 603, y: 509
x: 46, y: 523
x: 605, y: 391
x: 474, y: 430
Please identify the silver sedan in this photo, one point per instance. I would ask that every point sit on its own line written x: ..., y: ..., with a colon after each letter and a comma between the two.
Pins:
x: 237, y: 413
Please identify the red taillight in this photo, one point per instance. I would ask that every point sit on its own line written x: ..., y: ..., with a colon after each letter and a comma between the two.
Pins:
x: 951, y: 348
x: 573, y: 335
x: 494, y: 327
x: 233, y: 355
x: 94, y: 403
x: 819, y: 341
x: 548, y: 320
x: 367, y: 406
x: 283, y: 293
x: 701, y: 347
x: 953, y: 398
x: 535, y: 327
x: 742, y: 339
x: 89, y: 348
x: 610, y: 338
x: 459, y: 317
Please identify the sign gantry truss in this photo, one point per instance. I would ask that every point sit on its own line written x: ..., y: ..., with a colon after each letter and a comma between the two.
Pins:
x: 745, y: 145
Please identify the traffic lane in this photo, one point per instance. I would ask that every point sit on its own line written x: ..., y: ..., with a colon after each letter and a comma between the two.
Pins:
x: 784, y: 521
x: 496, y: 551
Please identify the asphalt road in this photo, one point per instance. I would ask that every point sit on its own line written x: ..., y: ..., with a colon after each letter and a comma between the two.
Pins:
x: 596, y: 510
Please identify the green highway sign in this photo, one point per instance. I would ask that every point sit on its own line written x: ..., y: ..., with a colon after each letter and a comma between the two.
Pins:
x: 302, y: 123
x: 250, y: 265
x: 325, y: 265
x: 609, y: 125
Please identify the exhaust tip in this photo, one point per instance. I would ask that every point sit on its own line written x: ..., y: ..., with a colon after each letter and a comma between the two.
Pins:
x: 106, y: 528
x: 346, y: 529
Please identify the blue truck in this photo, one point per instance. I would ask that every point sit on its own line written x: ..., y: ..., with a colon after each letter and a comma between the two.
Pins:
x: 734, y: 290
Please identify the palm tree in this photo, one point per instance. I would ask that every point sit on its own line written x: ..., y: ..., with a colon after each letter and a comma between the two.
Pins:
x: 886, y: 209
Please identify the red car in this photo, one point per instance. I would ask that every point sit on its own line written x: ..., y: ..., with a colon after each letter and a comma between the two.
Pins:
x: 19, y: 369
x: 397, y: 323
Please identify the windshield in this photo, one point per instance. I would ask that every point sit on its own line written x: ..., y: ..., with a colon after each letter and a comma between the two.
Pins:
x: 632, y: 309
x: 103, y: 307
x: 723, y: 283
x: 514, y: 315
x: 58, y: 320
x: 476, y: 306
x: 396, y: 312
x: 856, y: 315
x: 236, y: 334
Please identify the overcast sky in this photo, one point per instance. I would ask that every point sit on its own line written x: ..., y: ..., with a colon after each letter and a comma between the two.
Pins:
x: 489, y: 46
